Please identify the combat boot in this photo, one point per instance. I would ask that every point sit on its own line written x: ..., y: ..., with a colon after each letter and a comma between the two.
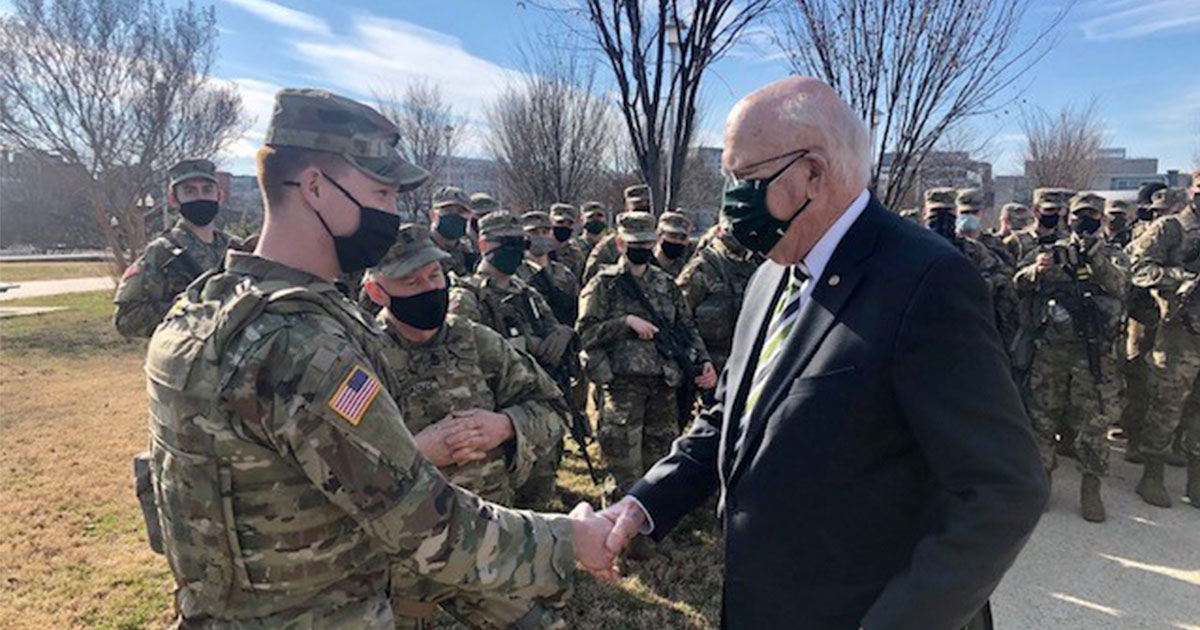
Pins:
x: 1151, y: 487
x: 1177, y: 457
x: 1193, y: 481
x: 1089, y: 499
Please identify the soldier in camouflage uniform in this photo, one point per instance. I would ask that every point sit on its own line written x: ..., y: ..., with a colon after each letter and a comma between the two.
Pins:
x: 448, y: 220
x: 554, y: 280
x: 971, y: 201
x: 1050, y: 205
x: 595, y: 228
x: 497, y: 298
x: 638, y: 414
x: 637, y: 198
x: 173, y: 260
x: 1075, y: 296
x: 284, y: 478
x: 1145, y: 212
x: 674, y: 247
x: 1117, y: 229
x: 566, y: 249
x: 480, y: 411
x: 713, y: 283
x: 1166, y: 260
x: 1014, y: 217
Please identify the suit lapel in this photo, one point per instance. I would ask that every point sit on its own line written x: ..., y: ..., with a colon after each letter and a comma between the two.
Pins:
x: 817, y: 317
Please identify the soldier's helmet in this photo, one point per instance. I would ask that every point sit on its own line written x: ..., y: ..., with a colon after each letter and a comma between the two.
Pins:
x: 483, y: 204
x: 184, y: 170
x: 318, y: 120
x: 941, y: 198
x: 675, y: 223
x: 500, y: 224
x: 636, y: 227
x: 412, y: 251
x: 970, y: 199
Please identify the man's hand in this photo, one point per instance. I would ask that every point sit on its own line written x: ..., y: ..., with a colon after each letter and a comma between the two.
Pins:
x: 708, y: 376
x: 554, y: 345
x: 477, y: 429
x: 434, y: 443
x: 644, y: 329
x: 591, y: 533
x: 1044, y: 262
x: 627, y: 520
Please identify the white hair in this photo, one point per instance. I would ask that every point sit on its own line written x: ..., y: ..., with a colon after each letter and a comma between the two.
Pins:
x: 845, y: 136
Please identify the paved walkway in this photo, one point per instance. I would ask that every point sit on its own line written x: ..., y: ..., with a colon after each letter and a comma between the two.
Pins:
x: 1139, y: 570
x: 42, y: 288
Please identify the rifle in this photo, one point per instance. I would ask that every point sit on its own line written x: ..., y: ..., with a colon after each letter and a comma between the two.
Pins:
x: 672, y: 342
x: 1084, y: 316
x: 564, y: 308
x: 562, y: 374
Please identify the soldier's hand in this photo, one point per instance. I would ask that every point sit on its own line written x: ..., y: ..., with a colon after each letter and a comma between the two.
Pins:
x: 552, y: 348
x: 644, y: 329
x: 708, y: 376
x: 434, y: 443
x: 1044, y: 262
x: 478, y: 429
x: 591, y: 531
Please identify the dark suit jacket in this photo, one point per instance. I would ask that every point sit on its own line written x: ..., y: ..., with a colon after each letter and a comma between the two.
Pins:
x: 889, y: 475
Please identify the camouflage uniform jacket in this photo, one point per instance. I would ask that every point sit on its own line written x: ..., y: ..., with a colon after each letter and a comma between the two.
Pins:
x: 1165, y: 257
x: 170, y: 263
x: 992, y: 267
x: 470, y: 366
x: 1108, y: 283
x: 1023, y: 246
x: 571, y: 256
x: 286, y: 481
x: 674, y: 267
x: 562, y: 294
x: 603, y: 306
x: 713, y: 284
x: 515, y: 310
x: 462, y: 260
x: 585, y: 246
x: 604, y: 253
x: 996, y: 246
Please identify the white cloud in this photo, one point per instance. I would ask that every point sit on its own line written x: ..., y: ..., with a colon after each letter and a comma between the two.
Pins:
x: 276, y: 13
x: 1131, y: 19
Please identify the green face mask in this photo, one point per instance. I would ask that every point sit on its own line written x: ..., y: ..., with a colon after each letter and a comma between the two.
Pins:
x: 744, y: 206
x: 595, y: 227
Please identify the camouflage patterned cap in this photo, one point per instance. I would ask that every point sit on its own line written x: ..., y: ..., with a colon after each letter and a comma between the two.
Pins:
x: 1052, y: 198
x: 591, y: 206
x: 1167, y: 198
x: 483, y: 204
x: 1087, y: 201
x: 563, y: 212
x: 636, y: 227
x: 413, y: 250
x: 1115, y: 206
x: 969, y: 199
x: 451, y: 196
x: 322, y: 121
x: 184, y: 170
x: 499, y: 224
x: 637, y: 197
x: 940, y: 198
x: 675, y: 223
x: 1147, y: 190
x: 594, y: 210
x: 1009, y: 209
x: 535, y: 220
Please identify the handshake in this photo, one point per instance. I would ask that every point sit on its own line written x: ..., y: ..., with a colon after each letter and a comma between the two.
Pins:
x: 601, y: 536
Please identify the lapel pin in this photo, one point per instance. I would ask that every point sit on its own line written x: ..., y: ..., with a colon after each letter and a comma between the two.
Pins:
x: 835, y: 280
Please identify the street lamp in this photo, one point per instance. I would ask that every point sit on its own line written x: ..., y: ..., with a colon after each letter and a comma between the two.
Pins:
x: 674, y: 37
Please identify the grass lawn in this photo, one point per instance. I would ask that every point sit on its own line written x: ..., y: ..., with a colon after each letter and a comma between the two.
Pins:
x: 72, y: 550
x: 27, y: 271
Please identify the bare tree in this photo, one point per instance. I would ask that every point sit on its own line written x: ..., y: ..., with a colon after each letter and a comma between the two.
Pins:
x: 659, y: 53
x: 550, y: 135
x: 912, y: 70
x: 1061, y: 149
x: 119, y: 88
x: 428, y: 136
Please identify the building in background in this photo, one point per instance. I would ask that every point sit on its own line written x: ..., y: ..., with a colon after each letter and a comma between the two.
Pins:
x: 1115, y: 171
x: 470, y: 174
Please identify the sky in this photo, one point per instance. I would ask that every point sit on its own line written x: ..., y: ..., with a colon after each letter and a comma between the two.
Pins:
x: 1137, y: 57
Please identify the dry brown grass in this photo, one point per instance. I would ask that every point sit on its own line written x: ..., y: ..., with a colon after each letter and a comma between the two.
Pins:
x: 28, y: 271
x: 72, y: 550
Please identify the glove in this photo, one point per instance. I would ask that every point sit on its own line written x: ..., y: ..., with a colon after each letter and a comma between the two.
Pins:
x: 550, y: 350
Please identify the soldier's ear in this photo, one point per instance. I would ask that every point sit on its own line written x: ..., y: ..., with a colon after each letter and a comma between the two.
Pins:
x: 374, y: 291
x: 172, y: 200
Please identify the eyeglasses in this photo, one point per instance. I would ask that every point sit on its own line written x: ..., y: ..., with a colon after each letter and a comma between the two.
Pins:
x: 796, y: 155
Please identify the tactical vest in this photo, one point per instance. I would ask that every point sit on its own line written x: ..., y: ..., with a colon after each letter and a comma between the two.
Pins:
x: 511, y: 314
x: 245, y: 532
x: 630, y: 355
x: 716, y: 315
x: 1187, y: 257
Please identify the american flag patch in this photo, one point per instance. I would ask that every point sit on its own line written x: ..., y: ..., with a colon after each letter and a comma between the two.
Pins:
x: 355, y: 395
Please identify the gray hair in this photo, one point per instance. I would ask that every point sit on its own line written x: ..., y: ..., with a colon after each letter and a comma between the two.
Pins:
x: 844, y: 134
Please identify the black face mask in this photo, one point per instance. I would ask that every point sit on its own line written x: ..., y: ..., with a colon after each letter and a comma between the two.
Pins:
x: 942, y: 222
x: 1085, y: 225
x: 451, y: 226
x: 638, y: 255
x: 673, y: 250
x: 595, y: 227
x: 423, y: 311
x: 541, y: 245
x: 1048, y: 221
x: 199, y: 212
x: 1145, y: 214
x: 377, y: 232
x: 1116, y: 224
x: 506, y: 258
x: 562, y: 233
x: 744, y: 205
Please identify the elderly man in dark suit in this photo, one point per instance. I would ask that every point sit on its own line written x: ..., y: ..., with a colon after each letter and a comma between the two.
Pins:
x: 874, y: 463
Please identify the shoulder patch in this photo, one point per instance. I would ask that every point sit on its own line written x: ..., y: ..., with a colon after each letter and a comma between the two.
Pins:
x: 131, y: 271
x: 355, y: 395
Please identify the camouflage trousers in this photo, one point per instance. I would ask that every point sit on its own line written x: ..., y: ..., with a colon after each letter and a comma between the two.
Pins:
x: 1139, y: 339
x: 416, y: 599
x: 1174, y: 368
x: 637, y: 424
x: 1066, y: 399
x: 539, y: 489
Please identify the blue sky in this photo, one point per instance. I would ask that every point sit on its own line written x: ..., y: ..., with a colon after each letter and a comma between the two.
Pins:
x: 1139, y: 57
